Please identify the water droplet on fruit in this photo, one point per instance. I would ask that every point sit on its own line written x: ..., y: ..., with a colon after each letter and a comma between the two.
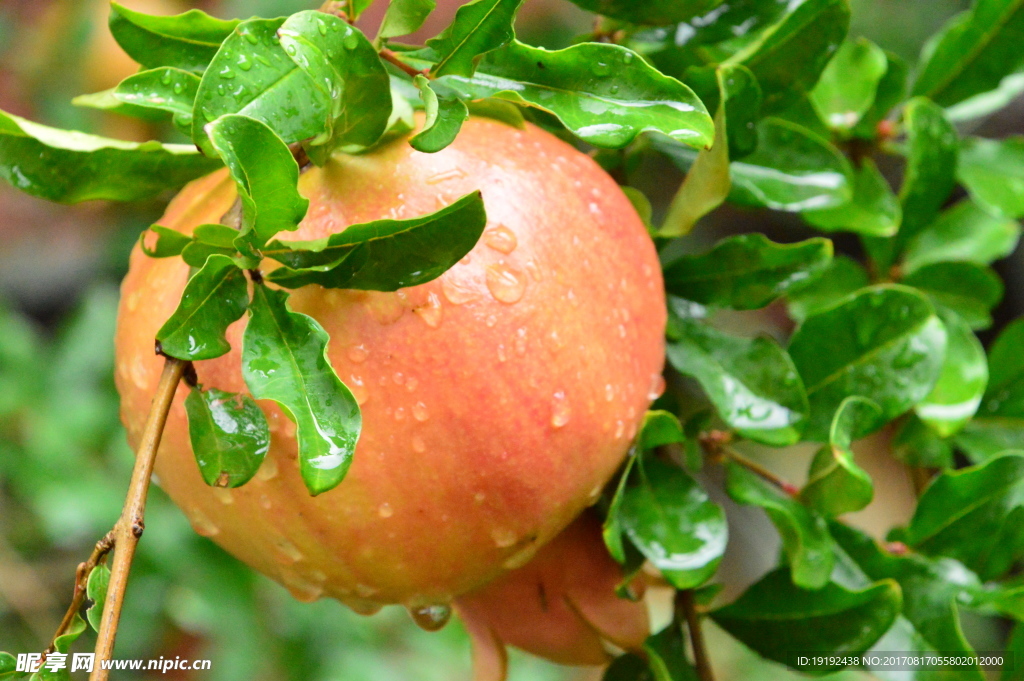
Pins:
x: 620, y: 430
x: 287, y: 552
x: 301, y: 590
x: 452, y: 174
x: 571, y: 295
x: 561, y: 412
x: 398, y: 378
x: 458, y: 287
x: 358, y: 389
x: 503, y: 538
x: 265, y: 502
x: 533, y: 270
x: 224, y: 495
x: 431, y: 617
x: 358, y: 353
x: 657, y: 388
x: 400, y: 414
x: 505, y: 283
x: 501, y: 239
x: 609, y: 392
x: 521, y: 557
x: 362, y: 607
x: 418, y: 445
x: 385, y: 510
x: 479, y: 497
x: 432, y: 312
x: 365, y: 591
x: 411, y: 383
x: 520, y: 342
x: 502, y: 355
x: 140, y: 374
x: 203, y: 526
x: 419, y: 412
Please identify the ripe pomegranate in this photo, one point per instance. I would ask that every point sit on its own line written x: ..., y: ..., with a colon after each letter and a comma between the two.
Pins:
x: 497, y: 400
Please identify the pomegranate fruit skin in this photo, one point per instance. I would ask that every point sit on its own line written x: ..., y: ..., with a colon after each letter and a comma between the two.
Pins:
x: 497, y: 400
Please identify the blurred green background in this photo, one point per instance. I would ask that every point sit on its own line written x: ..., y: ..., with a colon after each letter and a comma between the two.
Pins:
x: 64, y: 462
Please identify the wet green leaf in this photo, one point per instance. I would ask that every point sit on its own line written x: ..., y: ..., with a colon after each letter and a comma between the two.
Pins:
x: 987, y: 103
x: 106, y: 101
x: 165, y: 89
x: 751, y: 381
x: 993, y: 172
x: 966, y: 288
x: 892, y: 89
x: 343, y: 65
x: 790, y: 56
x: 670, y: 519
x: 229, y: 436
x: 839, y: 279
x: 185, y: 41
x: 660, y: 428
x: 957, y: 394
x: 445, y: 116
x: 652, y: 12
x: 253, y: 76
x: 479, y: 27
x: 916, y: 444
x: 847, y: 87
x: 974, y: 515
x: 835, y: 483
x: 68, y: 166
x: 884, y: 343
x: 603, y: 93
x: 999, y: 423
x: 873, y: 210
x: 742, y: 102
x: 746, y: 272
x: 780, y: 620
x: 965, y: 233
x: 805, y: 538
x: 385, y: 255
x: 96, y: 591
x: 612, y: 531
x: 666, y: 656
x: 213, y: 299
x: 169, y: 242
x: 930, y: 175
x: 9, y: 663
x: 284, y: 359
x: 404, y: 17
x: 266, y: 174
x: 973, y: 52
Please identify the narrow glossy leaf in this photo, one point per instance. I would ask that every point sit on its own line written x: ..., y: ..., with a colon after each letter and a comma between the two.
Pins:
x: 9, y: 666
x: 404, y: 17
x: 106, y: 101
x: 973, y: 52
x: 790, y: 56
x: 965, y: 233
x: 213, y: 299
x: 357, y: 7
x: 966, y: 288
x: 266, y: 174
x: 652, y: 12
x: 999, y: 424
x: 385, y: 255
x: 993, y: 172
x: 252, y: 75
x: 957, y: 394
x: 68, y: 166
x: 930, y: 175
x: 836, y: 484
x: 343, y: 65
x: 185, y: 41
x: 805, y: 538
x: 229, y: 436
x: 974, y: 515
x: 847, y: 87
x: 165, y: 88
x: 96, y: 591
x: 987, y: 103
x: 892, y: 89
x: 660, y: 428
x: 670, y: 519
x: 884, y: 343
x: 479, y: 27
x: 284, y: 359
x: 780, y: 620
x: 917, y: 444
x: 839, y: 279
x: 873, y: 210
x: 746, y: 272
x: 445, y: 116
x: 169, y: 242
x: 613, y: 531
x: 751, y: 381
x: 603, y: 93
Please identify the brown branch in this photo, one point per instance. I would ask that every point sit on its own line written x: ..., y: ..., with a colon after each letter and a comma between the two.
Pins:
x: 85, y: 569
x: 130, y: 525
x: 686, y: 608
x: 392, y: 58
x: 715, y: 444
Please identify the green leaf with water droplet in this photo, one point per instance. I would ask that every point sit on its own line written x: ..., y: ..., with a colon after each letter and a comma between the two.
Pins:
x: 169, y: 242
x: 252, y: 75
x: 164, y: 89
x: 445, y: 115
x: 958, y: 392
x: 213, y: 299
x: 342, y: 63
x: 650, y: 12
x: 848, y: 84
x: 965, y: 233
x: 404, y: 17
x: 604, y: 94
x: 788, y: 58
x: 478, y: 28
x: 284, y: 359
x: 835, y: 483
x: 751, y: 381
x: 993, y: 173
x: 96, y: 591
x: 746, y: 272
x: 839, y: 279
x: 742, y: 102
x: 384, y: 255
x: 973, y: 52
x: 229, y: 436
x: 667, y: 515
x: 974, y: 515
x: 185, y: 41
x: 69, y: 166
x: 779, y: 620
x: 266, y: 174
x: 884, y: 343
x: 805, y: 538
x: 106, y: 101
x: 873, y: 210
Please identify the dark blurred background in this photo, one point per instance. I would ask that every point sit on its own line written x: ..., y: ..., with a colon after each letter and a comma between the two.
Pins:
x: 64, y: 463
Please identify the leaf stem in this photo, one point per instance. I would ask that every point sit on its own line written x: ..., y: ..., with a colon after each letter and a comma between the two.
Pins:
x: 687, y: 607
x: 392, y: 58
x: 130, y: 525
x: 99, y: 552
x: 715, y: 443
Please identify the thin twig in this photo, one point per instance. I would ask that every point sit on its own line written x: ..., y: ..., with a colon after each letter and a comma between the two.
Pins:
x: 687, y: 607
x: 392, y: 58
x: 130, y: 525
x: 715, y: 443
x: 85, y: 569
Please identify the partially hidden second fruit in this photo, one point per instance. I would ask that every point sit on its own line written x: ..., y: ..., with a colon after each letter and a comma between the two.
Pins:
x: 497, y: 400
